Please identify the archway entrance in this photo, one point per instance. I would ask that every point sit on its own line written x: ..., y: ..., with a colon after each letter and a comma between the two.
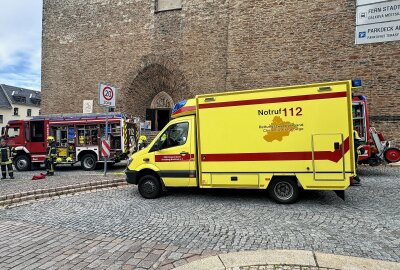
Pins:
x: 155, y: 89
x: 159, y: 112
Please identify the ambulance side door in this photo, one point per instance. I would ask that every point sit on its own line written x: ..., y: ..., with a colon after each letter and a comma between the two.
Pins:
x: 174, y: 155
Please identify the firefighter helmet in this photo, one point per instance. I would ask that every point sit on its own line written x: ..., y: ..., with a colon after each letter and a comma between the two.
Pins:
x: 50, y: 139
x: 143, y: 138
x: 59, y: 160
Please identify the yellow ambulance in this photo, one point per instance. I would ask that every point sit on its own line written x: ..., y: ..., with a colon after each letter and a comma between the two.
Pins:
x: 279, y: 139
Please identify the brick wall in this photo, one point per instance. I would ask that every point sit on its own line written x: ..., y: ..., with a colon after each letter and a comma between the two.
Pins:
x: 209, y: 46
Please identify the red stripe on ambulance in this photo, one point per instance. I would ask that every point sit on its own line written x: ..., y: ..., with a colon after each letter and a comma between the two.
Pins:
x: 273, y: 100
x: 173, y: 158
x: 334, y: 156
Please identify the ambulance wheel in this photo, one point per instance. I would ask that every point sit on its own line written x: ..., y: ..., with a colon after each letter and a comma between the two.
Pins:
x: 149, y: 187
x: 22, y: 163
x: 284, y: 190
x: 392, y: 155
x: 89, y: 162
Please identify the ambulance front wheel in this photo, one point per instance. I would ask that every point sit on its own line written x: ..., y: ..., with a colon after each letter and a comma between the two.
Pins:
x: 149, y: 187
x: 284, y: 190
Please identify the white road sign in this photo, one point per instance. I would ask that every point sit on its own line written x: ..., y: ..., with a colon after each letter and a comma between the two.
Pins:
x: 107, y: 95
x: 378, y: 32
x: 87, y: 106
x: 380, y: 12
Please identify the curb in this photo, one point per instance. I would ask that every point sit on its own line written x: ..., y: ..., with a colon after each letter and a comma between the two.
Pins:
x: 397, y: 164
x: 304, y: 258
x: 33, y: 195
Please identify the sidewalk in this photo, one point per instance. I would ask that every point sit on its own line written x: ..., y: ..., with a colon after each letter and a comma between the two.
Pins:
x: 287, y: 260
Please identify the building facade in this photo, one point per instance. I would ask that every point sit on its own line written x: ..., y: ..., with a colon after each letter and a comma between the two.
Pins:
x: 159, y: 52
x: 18, y: 103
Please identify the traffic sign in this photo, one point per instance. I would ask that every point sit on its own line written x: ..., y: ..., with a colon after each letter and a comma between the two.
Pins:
x: 105, y: 148
x: 107, y: 95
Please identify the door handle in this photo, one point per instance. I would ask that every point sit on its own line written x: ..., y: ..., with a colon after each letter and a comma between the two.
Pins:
x: 184, y: 153
x: 336, y: 145
x: 146, y: 159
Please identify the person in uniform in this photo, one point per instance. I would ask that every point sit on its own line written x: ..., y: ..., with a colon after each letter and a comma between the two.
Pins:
x: 51, y: 155
x: 358, y: 150
x: 6, y: 160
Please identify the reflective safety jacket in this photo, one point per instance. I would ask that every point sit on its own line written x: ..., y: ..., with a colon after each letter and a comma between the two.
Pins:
x: 51, y: 151
x: 5, y: 155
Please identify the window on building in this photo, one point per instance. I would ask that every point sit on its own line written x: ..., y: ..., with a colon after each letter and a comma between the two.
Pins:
x: 164, y: 5
x: 15, y: 111
x: 29, y: 112
x: 1, y: 119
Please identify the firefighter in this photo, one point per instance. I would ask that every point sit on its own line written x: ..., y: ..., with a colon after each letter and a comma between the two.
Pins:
x: 6, y: 160
x: 142, y: 142
x: 358, y: 150
x: 51, y: 155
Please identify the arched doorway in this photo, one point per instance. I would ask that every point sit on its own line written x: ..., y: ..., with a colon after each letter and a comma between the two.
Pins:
x: 156, y: 86
x: 160, y: 110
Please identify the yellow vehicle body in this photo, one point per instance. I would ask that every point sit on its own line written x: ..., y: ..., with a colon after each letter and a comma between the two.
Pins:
x: 246, y: 139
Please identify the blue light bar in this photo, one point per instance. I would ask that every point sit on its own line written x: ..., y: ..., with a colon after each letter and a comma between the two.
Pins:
x: 356, y: 83
x: 179, y: 105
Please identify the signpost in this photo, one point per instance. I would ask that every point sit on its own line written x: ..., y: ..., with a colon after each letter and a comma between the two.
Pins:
x: 107, y: 99
x: 377, y: 21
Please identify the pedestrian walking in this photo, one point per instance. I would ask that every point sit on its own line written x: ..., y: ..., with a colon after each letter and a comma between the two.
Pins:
x: 51, y: 155
x: 6, y: 160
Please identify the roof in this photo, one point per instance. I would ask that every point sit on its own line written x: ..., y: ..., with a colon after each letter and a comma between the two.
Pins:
x: 16, y: 95
x: 4, y: 102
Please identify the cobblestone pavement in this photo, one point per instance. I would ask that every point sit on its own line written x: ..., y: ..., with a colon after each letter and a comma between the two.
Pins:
x: 201, y: 222
x: 280, y: 267
x: 65, y: 175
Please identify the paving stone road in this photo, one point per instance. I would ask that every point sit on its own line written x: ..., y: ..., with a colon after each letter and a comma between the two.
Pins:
x: 203, y: 222
x: 64, y: 175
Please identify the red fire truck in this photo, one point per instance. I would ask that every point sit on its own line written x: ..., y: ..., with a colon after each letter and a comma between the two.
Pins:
x: 78, y: 138
x: 378, y: 150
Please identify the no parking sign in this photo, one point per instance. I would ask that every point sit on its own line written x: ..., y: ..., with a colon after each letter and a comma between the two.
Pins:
x: 107, y: 95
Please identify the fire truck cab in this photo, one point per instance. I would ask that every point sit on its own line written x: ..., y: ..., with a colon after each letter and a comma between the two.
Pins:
x: 78, y: 138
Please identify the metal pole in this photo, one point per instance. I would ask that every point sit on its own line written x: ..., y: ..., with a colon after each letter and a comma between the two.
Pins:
x: 105, y: 158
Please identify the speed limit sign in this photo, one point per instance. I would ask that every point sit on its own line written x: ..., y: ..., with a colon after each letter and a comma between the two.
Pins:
x: 107, y: 95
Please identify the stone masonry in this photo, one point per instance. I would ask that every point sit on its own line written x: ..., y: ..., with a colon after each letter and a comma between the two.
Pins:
x: 209, y: 46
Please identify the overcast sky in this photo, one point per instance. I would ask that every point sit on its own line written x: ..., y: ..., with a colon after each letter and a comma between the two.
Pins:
x: 20, y: 43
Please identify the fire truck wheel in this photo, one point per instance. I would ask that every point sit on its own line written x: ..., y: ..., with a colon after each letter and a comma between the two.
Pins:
x: 22, y: 163
x: 392, y: 155
x: 284, y: 190
x: 149, y: 187
x: 88, y: 162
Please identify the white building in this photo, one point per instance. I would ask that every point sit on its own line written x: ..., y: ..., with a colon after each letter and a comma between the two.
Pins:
x: 18, y: 103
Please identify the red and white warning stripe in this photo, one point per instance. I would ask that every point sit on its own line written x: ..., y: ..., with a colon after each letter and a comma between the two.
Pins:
x: 105, y: 148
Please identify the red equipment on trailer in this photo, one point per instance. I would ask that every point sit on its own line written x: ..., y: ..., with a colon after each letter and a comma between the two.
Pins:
x: 377, y: 149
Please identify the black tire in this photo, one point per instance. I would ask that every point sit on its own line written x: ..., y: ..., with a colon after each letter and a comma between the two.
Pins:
x: 88, y: 162
x: 149, y: 187
x: 22, y: 163
x: 284, y: 190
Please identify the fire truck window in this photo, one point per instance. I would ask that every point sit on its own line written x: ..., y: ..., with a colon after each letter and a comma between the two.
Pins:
x: 37, y: 131
x: 13, y: 132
